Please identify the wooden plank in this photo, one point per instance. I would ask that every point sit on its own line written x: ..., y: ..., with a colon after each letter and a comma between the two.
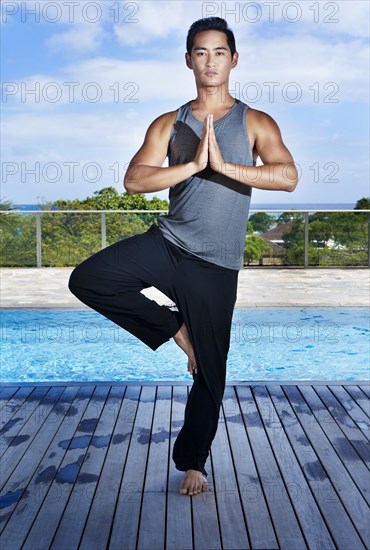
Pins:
x: 28, y: 506
x: 204, y: 510
x: 336, y: 518
x: 260, y: 528
x: 97, y: 530
x: 179, y: 512
x: 189, y: 383
x: 297, y: 490
x: 361, y: 400
x: 126, y: 519
x: 354, y: 437
x: 8, y: 413
x: 69, y: 479
x: 342, y: 482
x: 7, y: 390
x: 18, y: 445
x: 365, y: 389
x: 286, y: 526
x: 15, y: 413
x: 151, y: 533
x: 6, y: 393
x: 44, y: 527
x: 343, y: 444
x: 17, y: 483
x: 82, y: 494
x: 231, y: 518
x: 353, y: 410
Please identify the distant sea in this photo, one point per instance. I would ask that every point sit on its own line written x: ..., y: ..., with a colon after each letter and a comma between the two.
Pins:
x: 256, y: 206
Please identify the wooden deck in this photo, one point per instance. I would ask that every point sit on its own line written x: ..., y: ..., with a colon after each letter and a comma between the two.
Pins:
x: 89, y: 466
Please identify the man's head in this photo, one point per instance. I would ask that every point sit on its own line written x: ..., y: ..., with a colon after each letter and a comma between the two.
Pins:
x: 211, y: 52
x: 209, y: 24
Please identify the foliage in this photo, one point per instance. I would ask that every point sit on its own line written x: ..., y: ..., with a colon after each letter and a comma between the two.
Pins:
x: 254, y: 249
x: 335, y: 238
x: 8, y: 222
x: 295, y: 236
x: 108, y: 198
x: 261, y: 221
x: 67, y: 239
x: 363, y: 204
x: 285, y: 217
x: 14, y: 247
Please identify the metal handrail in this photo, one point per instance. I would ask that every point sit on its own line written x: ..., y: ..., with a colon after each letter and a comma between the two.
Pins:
x: 104, y: 230
x: 145, y: 211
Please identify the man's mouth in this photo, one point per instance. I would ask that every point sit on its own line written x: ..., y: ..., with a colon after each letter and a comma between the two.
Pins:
x: 210, y: 73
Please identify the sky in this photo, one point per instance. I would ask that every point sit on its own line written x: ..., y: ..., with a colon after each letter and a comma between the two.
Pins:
x: 82, y: 81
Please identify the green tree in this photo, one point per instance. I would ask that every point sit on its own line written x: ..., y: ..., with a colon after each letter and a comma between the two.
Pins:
x: 108, y: 198
x: 363, y: 204
x: 261, y: 221
x: 7, y: 221
x: 17, y: 237
x: 285, y: 217
x: 254, y: 248
x: 69, y: 238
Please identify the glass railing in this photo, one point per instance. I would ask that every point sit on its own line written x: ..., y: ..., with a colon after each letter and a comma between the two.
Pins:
x: 295, y: 238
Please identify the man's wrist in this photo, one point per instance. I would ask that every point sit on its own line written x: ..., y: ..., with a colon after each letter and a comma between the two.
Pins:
x: 193, y: 168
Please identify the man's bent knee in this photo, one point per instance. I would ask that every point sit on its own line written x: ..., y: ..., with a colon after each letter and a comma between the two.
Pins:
x: 75, y: 283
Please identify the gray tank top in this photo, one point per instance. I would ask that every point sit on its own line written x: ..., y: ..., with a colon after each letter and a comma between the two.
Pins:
x: 208, y: 212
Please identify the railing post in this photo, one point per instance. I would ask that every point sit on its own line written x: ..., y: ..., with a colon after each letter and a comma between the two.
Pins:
x: 103, y: 230
x: 306, y: 239
x: 38, y: 240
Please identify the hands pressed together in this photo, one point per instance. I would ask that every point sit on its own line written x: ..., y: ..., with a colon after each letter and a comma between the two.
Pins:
x: 208, y: 150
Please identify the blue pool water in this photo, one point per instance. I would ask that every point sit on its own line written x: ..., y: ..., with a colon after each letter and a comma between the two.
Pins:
x: 302, y: 343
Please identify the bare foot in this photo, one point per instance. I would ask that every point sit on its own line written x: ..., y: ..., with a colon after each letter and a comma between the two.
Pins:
x: 182, y: 339
x: 194, y: 482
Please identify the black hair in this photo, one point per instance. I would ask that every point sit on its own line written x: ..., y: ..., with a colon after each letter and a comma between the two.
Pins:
x: 210, y: 24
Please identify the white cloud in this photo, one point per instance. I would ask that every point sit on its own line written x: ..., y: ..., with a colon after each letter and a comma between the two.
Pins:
x: 307, y: 71
x: 82, y: 38
x: 68, y: 146
x: 155, y: 20
x: 83, y: 22
x: 107, y: 132
x: 347, y: 17
x: 305, y: 61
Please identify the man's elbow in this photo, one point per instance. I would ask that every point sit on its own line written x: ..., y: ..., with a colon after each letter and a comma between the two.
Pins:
x: 290, y: 179
x: 128, y: 189
x: 128, y: 185
x: 130, y: 181
x: 291, y: 186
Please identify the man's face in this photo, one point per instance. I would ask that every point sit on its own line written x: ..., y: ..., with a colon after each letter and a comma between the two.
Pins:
x: 211, y: 59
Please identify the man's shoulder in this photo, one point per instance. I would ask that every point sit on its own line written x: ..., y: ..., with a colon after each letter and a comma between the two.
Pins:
x: 166, y: 119
x: 259, y: 120
x: 258, y: 116
x: 164, y: 122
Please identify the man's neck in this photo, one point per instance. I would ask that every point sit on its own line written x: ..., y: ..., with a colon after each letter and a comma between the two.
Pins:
x: 213, y: 99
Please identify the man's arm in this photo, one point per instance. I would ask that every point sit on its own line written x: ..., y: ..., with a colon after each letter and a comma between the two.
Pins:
x: 278, y: 171
x: 145, y: 173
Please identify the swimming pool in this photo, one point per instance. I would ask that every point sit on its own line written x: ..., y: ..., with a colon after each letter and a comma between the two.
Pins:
x: 302, y: 343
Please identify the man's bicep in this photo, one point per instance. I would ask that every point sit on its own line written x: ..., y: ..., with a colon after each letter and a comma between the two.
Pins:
x: 153, y: 151
x: 269, y: 144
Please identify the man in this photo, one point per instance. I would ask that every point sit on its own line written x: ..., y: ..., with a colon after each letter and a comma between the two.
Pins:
x: 195, y: 252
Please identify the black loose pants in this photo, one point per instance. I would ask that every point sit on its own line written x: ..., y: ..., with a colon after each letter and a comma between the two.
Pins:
x: 110, y: 282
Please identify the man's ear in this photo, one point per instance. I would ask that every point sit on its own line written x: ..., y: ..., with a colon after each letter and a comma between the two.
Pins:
x: 188, y: 61
x: 234, y: 60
